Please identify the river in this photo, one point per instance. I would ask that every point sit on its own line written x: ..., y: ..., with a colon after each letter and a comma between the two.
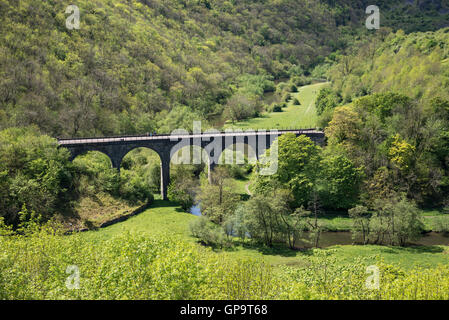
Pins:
x: 328, y: 239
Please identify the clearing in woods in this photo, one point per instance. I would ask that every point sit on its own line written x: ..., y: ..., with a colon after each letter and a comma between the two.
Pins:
x: 299, y: 117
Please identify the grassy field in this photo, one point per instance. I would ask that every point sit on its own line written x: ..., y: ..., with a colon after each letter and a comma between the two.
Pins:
x: 167, y: 218
x: 303, y: 116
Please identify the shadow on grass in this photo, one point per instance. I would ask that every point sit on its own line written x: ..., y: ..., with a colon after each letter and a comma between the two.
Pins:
x: 328, y: 215
x: 163, y: 204
x: 167, y: 204
x: 277, y: 249
x: 412, y: 249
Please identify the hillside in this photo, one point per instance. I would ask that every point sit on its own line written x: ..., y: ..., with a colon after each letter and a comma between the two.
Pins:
x: 140, y: 66
x: 415, y: 64
x: 408, y: 15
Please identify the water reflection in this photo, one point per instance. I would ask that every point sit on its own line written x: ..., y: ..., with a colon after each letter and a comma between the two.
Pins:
x: 328, y: 239
x: 196, y: 210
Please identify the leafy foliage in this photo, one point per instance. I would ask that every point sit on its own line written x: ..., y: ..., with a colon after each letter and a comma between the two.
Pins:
x: 140, y: 267
x: 34, y: 174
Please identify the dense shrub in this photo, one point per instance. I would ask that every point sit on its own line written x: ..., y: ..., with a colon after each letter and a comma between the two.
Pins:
x: 277, y: 108
x: 182, y: 188
x: 393, y: 222
x: 207, y: 232
x: 327, y: 99
x: 34, y: 173
x: 134, y: 188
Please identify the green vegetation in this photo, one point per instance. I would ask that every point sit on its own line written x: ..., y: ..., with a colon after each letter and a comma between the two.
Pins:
x: 34, y: 174
x: 160, y: 266
x: 140, y: 66
x: 168, y: 218
x: 414, y: 65
x: 411, y: 16
x: 153, y: 66
x: 293, y: 116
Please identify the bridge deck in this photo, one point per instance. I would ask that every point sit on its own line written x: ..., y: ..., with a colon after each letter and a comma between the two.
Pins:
x: 181, y: 136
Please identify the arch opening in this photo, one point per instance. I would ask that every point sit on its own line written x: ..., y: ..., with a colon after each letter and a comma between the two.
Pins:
x: 238, y: 154
x: 193, y: 158
x: 140, y: 174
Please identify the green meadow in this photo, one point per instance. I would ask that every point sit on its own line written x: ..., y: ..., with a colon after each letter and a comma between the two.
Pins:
x: 293, y: 117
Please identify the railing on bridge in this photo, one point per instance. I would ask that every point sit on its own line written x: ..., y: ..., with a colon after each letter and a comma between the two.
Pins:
x: 149, y: 136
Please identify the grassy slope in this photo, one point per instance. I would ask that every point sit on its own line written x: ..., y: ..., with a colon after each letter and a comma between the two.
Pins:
x: 240, y: 185
x: 303, y: 116
x: 167, y: 218
x: 162, y: 217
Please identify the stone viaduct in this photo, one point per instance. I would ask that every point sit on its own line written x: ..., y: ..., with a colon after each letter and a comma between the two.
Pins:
x: 166, y: 146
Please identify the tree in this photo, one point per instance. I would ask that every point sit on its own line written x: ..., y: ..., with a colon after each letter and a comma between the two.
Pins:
x: 326, y: 100
x: 395, y: 221
x: 218, y: 198
x: 34, y: 174
x: 298, y: 164
x: 312, y: 219
x: 261, y: 219
x: 340, y: 182
x: 182, y: 188
x: 360, y: 227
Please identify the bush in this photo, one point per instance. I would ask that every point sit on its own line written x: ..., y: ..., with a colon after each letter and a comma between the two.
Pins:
x: 296, y: 102
x: 277, y: 108
x: 134, y: 188
x: 293, y: 88
x: 300, y: 81
x: 208, y: 233
x: 33, y: 172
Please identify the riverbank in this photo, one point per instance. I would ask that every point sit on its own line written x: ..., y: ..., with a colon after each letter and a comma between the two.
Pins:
x: 166, y: 218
